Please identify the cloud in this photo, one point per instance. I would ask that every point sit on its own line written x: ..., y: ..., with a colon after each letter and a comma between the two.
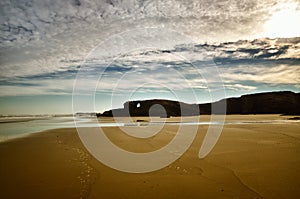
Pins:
x: 44, y: 43
x: 239, y: 87
x: 256, y: 51
x: 182, y: 67
x: 278, y: 74
x: 38, y: 34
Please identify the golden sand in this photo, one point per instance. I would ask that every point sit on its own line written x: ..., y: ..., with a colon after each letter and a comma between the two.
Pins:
x: 256, y: 160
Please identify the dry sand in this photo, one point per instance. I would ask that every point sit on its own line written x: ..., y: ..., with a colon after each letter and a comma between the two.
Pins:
x: 249, y: 161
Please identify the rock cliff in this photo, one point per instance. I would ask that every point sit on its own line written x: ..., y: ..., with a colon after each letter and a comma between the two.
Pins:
x: 284, y: 102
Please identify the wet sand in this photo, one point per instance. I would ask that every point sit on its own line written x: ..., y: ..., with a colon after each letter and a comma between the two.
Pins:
x: 255, y: 160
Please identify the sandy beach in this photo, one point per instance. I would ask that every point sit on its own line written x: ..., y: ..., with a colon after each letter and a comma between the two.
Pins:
x: 251, y: 160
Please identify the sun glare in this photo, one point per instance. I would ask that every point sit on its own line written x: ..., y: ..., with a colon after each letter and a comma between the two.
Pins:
x: 284, y: 22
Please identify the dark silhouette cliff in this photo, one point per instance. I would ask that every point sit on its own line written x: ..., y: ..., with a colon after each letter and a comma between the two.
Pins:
x: 284, y: 102
x: 156, y: 107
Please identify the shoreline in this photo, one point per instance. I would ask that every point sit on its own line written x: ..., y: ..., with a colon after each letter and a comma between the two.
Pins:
x: 144, y: 121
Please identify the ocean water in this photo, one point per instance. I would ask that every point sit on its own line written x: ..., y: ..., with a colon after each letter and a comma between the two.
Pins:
x: 13, y: 127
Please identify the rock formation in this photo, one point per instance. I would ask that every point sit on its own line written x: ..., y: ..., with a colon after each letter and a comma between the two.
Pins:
x: 284, y: 102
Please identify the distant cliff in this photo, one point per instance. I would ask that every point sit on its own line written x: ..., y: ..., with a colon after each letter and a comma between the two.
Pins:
x: 284, y: 102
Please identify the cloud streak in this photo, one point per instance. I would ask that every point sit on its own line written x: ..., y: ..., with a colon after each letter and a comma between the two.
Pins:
x: 238, y: 64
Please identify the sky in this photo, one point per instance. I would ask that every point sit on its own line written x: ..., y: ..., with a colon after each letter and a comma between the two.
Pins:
x: 59, y: 57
